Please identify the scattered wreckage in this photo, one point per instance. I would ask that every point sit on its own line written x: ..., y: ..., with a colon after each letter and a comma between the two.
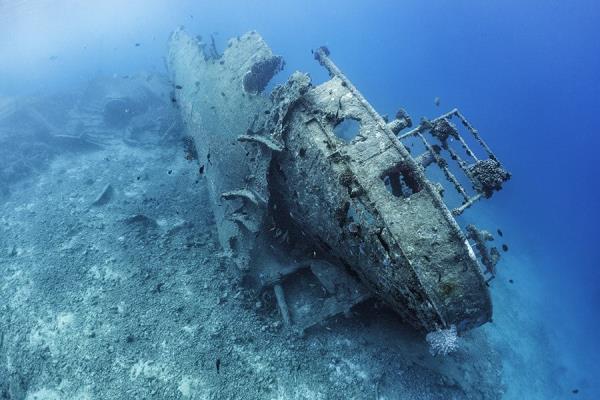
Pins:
x: 326, y: 219
x: 132, y: 109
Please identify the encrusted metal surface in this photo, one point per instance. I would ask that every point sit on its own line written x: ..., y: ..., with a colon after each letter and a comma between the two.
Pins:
x: 217, y: 110
x: 276, y: 164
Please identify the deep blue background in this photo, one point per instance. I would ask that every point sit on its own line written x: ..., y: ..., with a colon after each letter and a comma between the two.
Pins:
x: 526, y: 73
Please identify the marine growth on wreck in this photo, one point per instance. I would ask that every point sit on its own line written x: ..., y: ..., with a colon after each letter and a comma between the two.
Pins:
x: 292, y: 200
x: 296, y: 200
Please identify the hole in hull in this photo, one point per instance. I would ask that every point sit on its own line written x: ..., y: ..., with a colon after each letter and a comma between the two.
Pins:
x: 401, y: 181
x: 347, y: 129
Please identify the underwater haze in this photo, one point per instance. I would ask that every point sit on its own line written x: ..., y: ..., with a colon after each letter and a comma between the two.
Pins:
x: 113, y: 282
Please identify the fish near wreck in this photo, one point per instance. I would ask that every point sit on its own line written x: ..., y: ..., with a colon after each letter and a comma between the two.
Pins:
x: 294, y: 202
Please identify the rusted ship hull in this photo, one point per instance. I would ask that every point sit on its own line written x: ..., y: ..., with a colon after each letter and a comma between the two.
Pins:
x: 276, y: 163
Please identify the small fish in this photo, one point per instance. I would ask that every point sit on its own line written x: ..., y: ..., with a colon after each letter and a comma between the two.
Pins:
x: 201, y: 169
x: 178, y: 87
x: 505, y: 247
x: 511, y: 281
x: 436, y: 101
x: 137, y: 45
x: 575, y: 391
x: 500, y: 232
x: 218, y: 364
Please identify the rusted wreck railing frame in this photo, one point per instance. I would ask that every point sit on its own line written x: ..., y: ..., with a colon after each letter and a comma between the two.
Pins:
x: 441, y: 163
x: 455, y: 112
x: 418, y: 132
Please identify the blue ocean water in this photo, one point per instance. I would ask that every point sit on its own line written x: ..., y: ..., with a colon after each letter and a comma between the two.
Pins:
x: 526, y: 73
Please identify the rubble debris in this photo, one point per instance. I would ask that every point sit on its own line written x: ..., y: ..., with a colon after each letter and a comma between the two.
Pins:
x: 316, y: 195
x: 282, y: 304
x: 105, y: 196
x: 107, y: 110
x: 128, y: 110
x: 141, y: 220
x: 245, y: 194
x: 179, y: 227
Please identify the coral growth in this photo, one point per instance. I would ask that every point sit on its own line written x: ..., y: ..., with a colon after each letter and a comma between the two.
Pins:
x: 443, y: 341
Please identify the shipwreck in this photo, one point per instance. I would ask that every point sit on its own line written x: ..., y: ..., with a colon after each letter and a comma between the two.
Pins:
x: 324, y: 216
